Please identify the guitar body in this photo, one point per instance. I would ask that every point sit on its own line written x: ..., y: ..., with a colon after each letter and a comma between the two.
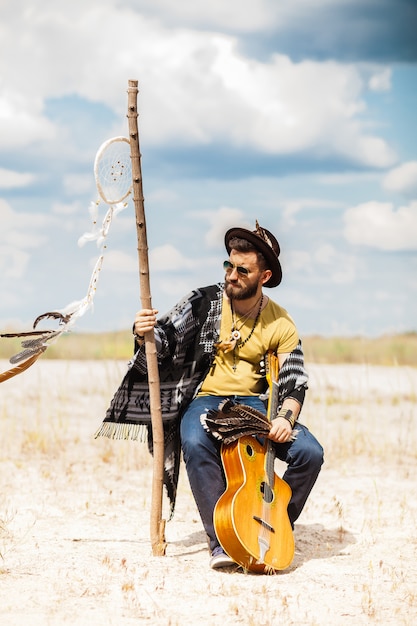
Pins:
x: 251, y: 518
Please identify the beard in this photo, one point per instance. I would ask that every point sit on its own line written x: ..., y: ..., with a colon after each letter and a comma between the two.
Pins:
x: 236, y: 291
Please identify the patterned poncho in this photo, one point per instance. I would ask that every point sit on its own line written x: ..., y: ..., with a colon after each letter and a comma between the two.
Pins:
x: 185, y: 342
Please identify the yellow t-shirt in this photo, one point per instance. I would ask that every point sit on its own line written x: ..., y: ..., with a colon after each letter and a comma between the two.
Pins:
x: 275, y: 330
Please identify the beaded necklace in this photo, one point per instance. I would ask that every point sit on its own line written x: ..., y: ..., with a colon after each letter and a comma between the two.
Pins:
x: 232, y: 343
x: 235, y: 334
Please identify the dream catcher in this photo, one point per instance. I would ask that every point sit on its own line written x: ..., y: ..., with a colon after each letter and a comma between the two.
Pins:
x: 113, y: 177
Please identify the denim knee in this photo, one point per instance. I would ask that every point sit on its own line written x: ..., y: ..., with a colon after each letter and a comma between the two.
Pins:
x: 194, y: 439
x: 306, y: 450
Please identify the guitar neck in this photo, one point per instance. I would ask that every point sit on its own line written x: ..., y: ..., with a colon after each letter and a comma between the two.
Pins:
x: 272, y: 413
x: 273, y: 400
x: 272, y: 372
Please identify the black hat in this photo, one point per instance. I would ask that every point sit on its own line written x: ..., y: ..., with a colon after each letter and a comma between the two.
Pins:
x: 265, y: 242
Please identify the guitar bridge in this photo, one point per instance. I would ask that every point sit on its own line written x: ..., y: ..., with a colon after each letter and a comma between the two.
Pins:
x: 264, y: 524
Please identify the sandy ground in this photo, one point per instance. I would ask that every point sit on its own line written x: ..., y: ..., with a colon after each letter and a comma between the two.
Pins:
x: 74, y: 512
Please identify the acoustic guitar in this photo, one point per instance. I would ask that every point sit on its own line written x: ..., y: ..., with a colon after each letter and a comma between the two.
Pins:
x: 250, y: 518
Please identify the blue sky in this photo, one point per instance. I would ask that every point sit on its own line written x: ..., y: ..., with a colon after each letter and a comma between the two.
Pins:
x: 298, y: 113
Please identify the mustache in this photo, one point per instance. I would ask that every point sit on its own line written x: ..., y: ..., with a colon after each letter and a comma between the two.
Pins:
x: 243, y: 291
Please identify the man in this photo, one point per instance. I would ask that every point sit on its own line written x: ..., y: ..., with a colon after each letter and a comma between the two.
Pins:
x: 210, y: 348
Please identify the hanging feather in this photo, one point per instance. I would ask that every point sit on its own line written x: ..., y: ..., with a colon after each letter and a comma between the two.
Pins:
x: 20, y: 368
x: 100, y: 234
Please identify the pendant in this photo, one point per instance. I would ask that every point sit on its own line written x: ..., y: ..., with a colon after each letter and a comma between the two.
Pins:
x: 234, y: 338
x: 230, y: 344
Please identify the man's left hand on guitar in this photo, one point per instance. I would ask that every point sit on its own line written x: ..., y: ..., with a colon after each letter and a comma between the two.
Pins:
x: 281, y: 430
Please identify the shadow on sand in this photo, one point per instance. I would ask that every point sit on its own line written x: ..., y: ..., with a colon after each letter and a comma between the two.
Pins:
x: 312, y: 541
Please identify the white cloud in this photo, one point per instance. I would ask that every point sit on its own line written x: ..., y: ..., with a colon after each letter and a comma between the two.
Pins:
x: 14, y: 240
x: 380, y: 80
x: 118, y: 261
x: 219, y: 221
x: 78, y: 184
x: 20, y: 233
x: 325, y: 263
x: 12, y: 180
x: 21, y: 119
x: 196, y: 87
x: 298, y: 261
x: 402, y: 178
x: 325, y: 254
x: 294, y: 206
x: 372, y: 151
x: 61, y: 208
x: 347, y: 178
x: 379, y: 225
x: 291, y: 208
x: 163, y: 196
x: 243, y: 15
x: 13, y: 262
x: 25, y: 230
x: 340, y: 268
x: 168, y: 258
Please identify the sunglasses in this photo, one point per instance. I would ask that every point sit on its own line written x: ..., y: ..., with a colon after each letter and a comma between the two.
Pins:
x: 229, y: 267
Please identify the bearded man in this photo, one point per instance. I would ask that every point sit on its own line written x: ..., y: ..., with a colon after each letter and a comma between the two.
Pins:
x: 211, y: 348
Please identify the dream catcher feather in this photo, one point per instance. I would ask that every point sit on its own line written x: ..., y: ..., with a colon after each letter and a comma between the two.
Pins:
x: 113, y: 178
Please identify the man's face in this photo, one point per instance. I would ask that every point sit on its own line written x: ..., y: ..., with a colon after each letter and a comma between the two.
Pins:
x: 239, y: 286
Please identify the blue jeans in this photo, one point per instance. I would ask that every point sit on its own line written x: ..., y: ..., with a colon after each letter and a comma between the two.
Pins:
x: 304, y: 457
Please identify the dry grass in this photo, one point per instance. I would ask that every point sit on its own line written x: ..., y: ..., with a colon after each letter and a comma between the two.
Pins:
x: 74, y: 512
x: 386, y: 350
x: 79, y: 346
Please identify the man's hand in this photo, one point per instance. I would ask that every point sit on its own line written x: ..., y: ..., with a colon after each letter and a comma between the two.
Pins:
x: 281, y: 430
x: 145, y: 321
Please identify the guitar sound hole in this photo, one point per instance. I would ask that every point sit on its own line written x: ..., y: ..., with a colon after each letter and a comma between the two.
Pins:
x: 249, y: 450
x: 267, y: 493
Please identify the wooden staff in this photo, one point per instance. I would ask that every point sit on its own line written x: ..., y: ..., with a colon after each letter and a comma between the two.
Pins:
x: 157, y: 523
